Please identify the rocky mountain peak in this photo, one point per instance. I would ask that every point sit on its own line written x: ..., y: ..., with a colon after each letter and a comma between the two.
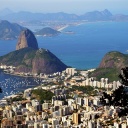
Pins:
x: 107, y: 12
x: 26, y: 39
x: 114, y: 59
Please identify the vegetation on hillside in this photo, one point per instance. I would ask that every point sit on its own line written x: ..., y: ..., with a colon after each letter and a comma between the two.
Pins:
x: 18, y: 98
x: 42, y: 95
x: 110, y: 73
x: 47, y: 32
x: 110, y: 66
x: 85, y: 89
x: 119, y: 97
x: 17, y: 57
x: 36, y: 61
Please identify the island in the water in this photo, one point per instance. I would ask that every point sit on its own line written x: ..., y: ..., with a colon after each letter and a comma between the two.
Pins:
x: 47, y: 31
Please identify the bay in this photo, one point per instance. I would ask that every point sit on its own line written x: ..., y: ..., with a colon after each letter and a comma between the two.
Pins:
x: 85, y: 48
x: 11, y: 84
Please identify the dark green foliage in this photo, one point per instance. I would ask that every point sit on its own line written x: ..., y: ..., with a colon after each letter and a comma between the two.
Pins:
x: 110, y: 73
x: 42, y: 95
x: 1, y: 90
x: 116, y: 54
x: 124, y: 76
x: 35, y: 61
x: 119, y: 97
x: 84, y: 89
x: 17, y: 57
x: 18, y: 98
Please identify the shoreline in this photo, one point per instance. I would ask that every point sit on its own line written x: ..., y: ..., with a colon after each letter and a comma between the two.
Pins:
x: 20, y: 75
x: 78, y: 24
x: 19, y: 87
x: 62, y: 28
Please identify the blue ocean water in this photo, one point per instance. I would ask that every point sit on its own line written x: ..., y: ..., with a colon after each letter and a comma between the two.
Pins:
x: 85, y: 48
x: 11, y: 84
x: 90, y: 42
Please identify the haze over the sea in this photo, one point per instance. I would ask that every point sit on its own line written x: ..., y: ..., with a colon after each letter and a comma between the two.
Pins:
x: 68, y: 6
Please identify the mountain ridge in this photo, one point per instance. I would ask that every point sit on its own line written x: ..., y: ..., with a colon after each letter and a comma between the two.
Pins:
x: 29, y: 60
x: 9, y: 31
x: 61, y: 16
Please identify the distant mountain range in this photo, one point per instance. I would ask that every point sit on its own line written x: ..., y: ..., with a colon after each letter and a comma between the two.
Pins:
x: 5, y: 11
x: 60, y: 16
x: 9, y: 30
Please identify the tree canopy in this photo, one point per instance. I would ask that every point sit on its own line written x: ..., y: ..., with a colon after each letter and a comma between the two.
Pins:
x: 119, y: 97
x: 1, y: 90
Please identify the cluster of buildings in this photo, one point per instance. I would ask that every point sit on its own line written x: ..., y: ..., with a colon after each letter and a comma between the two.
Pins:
x: 64, y: 110
x: 6, y: 68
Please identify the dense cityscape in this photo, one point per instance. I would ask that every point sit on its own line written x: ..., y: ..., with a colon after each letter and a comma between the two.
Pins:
x: 65, y: 99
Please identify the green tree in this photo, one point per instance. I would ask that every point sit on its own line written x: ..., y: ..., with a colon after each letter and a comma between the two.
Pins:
x: 42, y: 95
x: 119, y: 97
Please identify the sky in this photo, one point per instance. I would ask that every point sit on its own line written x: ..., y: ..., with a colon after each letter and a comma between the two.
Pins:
x: 68, y: 6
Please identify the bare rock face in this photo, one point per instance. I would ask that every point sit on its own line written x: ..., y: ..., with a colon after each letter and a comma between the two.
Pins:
x: 114, y: 59
x: 27, y: 39
x: 29, y: 59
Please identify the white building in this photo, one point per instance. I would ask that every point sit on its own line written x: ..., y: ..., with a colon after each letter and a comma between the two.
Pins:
x: 45, y: 106
x: 71, y: 71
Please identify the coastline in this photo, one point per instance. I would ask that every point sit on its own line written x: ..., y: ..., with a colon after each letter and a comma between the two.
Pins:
x: 20, y: 82
x: 21, y: 75
x: 62, y: 28
x: 77, y: 24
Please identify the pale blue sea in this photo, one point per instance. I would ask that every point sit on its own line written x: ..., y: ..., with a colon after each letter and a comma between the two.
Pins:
x: 86, y: 47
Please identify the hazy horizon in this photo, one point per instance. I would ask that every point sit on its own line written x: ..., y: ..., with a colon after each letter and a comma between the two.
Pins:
x: 68, y: 6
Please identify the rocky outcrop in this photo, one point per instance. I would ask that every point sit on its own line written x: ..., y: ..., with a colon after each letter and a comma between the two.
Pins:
x: 26, y: 39
x: 110, y: 66
x: 33, y: 61
x: 114, y: 60
x: 28, y: 58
